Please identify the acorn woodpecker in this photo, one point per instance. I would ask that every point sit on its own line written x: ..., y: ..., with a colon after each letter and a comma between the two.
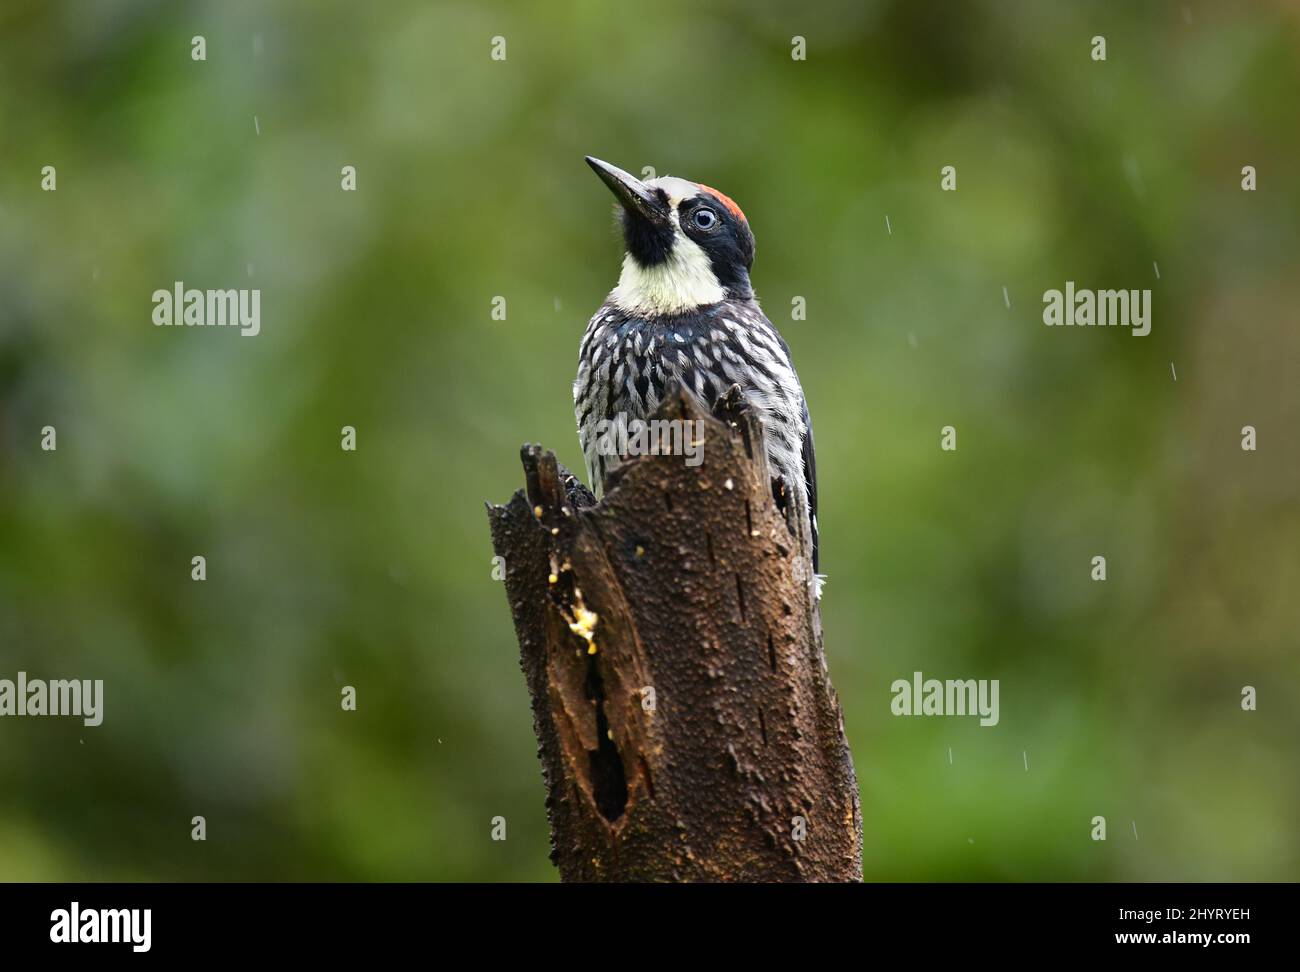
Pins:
x: 684, y: 310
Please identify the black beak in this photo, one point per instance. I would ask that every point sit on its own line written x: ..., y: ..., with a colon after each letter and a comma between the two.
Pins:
x: 634, y: 195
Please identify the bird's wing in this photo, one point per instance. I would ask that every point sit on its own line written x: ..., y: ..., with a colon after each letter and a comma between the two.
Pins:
x: 809, y: 455
x: 810, y: 477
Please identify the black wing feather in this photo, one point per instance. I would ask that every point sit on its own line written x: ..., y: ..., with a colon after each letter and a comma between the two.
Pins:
x: 810, y: 477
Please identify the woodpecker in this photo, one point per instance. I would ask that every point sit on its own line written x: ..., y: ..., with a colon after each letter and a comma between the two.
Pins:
x: 684, y: 310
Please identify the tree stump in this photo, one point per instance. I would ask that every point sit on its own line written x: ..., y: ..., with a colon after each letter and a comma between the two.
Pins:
x: 672, y: 647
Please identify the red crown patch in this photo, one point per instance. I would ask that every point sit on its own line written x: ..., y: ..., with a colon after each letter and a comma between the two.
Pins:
x: 725, y: 200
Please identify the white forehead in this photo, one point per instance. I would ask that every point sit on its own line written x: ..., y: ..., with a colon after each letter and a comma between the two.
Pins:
x: 677, y: 189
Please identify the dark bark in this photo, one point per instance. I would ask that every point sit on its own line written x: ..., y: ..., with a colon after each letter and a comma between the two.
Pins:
x: 703, y: 727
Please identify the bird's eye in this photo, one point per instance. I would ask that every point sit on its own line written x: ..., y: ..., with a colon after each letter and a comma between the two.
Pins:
x: 705, y: 218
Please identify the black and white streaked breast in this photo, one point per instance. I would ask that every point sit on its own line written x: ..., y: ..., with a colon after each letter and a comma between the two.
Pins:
x: 626, y: 362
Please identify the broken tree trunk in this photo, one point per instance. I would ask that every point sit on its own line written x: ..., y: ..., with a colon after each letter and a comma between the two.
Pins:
x: 672, y: 647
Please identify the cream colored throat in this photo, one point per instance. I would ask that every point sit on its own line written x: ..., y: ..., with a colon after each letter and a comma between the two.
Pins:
x: 682, y: 282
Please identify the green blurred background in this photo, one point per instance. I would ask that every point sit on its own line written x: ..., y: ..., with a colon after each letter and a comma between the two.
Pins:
x: 372, y: 569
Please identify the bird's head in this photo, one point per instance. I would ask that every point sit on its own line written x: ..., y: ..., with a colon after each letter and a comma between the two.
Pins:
x: 688, y: 245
